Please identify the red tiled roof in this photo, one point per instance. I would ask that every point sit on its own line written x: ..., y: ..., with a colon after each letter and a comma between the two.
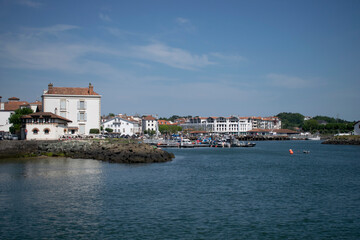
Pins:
x: 45, y: 114
x: 70, y: 91
x: 194, y: 132
x: 149, y: 117
x: 36, y: 103
x: 12, y: 106
x: 260, y: 130
x: 288, y: 131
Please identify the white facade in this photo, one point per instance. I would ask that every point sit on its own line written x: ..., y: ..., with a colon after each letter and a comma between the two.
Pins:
x: 220, y: 125
x: 357, y: 128
x: 150, y: 123
x: 76, y: 105
x: 4, y: 120
x: 122, y: 126
x: 43, y: 126
x: 44, y: 131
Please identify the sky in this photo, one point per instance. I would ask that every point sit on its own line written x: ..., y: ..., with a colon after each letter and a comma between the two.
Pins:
x: 199, y: 58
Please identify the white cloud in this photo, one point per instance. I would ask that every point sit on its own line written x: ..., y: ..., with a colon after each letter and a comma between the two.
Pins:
x: 104, y: 17
x: 288, y: 81
x: 174, y: 57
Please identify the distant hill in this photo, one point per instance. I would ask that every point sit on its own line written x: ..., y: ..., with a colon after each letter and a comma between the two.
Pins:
x: 322, y: 124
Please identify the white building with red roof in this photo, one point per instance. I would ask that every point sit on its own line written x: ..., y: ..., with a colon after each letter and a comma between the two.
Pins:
x: 149, y: 123
x: 43, y: 126
x: 123, y: 125
x: 80, y: 105
x: 8, y: 108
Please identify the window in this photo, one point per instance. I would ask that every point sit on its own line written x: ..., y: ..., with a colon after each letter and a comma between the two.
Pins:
x: 46, y: 131
x: 35, y: 131
x: 81, y: 105
x: 63, y: 114
x: 81, y: 117
x: 62, y: 104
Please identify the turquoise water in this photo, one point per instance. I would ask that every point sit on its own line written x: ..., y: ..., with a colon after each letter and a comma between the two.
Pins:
x: 240, y: 193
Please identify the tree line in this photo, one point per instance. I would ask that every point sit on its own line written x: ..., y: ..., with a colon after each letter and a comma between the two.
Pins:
x: 321, y: 124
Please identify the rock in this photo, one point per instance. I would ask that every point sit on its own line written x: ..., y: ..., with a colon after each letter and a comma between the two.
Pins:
x: 90, y: 149
x: 343, y: 140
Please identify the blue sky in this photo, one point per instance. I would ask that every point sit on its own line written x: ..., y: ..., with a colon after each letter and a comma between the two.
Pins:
x: 206, y: 58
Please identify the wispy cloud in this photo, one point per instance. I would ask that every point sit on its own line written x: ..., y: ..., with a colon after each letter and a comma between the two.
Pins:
x: 104, y: 17
x: 185, y: 24
x: 51, y: 30
x: 124, y: 34
x: 229, y: 58
x: 29, y: 3
x: 288, y: 81
x: 180, y: 20
x: 174, y: 57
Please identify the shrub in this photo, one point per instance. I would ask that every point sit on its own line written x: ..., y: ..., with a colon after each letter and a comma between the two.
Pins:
x: 110, y: 130
x: 94, y: 131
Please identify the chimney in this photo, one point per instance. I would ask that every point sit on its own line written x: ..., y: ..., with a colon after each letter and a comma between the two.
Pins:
x: 91, y: 89
x: 50, y: 87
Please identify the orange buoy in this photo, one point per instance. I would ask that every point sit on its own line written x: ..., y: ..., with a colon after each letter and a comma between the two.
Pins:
x: 291, y: 151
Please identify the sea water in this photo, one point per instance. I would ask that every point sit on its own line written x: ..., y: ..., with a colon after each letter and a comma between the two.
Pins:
x: 205, y: 193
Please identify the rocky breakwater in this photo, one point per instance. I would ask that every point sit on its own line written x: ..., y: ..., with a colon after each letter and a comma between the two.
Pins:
x: 343, y: 140
x: 109, y: 151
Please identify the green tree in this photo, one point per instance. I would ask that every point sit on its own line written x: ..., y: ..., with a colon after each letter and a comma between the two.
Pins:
x: 291, y: 120
x: 151, y: 132
x: 169, y: 129
x: 111, y: 115
x: 15, y: 119
x: 311, y: 126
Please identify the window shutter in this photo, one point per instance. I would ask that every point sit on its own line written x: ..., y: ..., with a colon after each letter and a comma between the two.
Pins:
x: 78, y: 107
x: 78, y: 116
x: 85, y: 105
x: 85, y: 117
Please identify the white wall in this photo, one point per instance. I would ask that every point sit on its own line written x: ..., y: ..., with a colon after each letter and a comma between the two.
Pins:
x: 4, y: 120
x: 92, y: 111
x: 122, y: 126
x: 55, y: 131
x: 357, y: 128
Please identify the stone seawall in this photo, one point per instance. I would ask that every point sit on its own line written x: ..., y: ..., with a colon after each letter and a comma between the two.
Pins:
x: 109, y: 151
x: 343, y: 140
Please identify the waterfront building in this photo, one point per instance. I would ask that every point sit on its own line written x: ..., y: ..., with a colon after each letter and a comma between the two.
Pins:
x: 219, y: 125
x: 149, y: 123
x: 357, y: 128
x: 9, y: 108
x: 265, y: 122
x: 43, y: 126
x: 81, y: 105
x: 123, y: 125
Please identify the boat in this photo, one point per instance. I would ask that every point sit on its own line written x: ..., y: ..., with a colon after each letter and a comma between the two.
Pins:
x: 316, y: 138
x: 242, y: 144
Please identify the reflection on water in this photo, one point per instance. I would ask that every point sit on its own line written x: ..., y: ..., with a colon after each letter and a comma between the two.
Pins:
x: 245, y: 193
